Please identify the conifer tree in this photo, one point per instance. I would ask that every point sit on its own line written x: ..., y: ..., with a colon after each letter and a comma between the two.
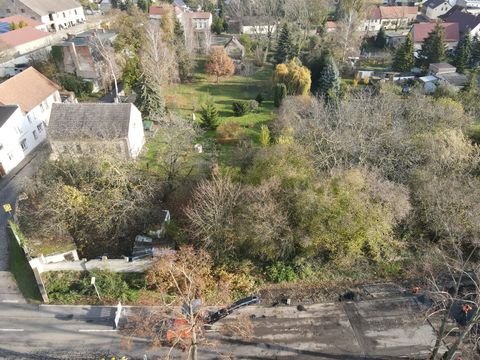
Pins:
x: 381, y: 39
x: 463, y: 53
x: 329, y: 81
x: 286, y: 48
x: 475, y: 53
x: 149, y: 100
x: 403, y: 60
x: 209, y: 115
x: 434, y: 47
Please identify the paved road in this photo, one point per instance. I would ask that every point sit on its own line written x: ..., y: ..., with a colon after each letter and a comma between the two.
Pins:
x: 372, y: 329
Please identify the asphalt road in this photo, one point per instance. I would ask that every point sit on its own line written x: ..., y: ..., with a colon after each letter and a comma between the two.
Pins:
x: 370, y: 329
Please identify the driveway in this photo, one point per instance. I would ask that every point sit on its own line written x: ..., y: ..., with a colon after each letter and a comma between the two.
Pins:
x: 10, y: 186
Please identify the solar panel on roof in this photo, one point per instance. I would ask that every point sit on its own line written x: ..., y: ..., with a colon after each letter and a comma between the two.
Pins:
x: 4, y: 27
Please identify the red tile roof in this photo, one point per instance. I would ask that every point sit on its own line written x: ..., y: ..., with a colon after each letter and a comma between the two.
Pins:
x: 392, y: 12
x: 421, y: 31
x: 22, y: 36
x: 331, y: 25
x: 27, y: 89
x: 160, y: 10
x: 19, y: 18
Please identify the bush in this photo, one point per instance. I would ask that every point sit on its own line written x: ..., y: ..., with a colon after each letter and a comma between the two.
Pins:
x: 252, y: 106
x: 280, y: 272
x: 280, y: 92
x: 229, y: 132
x: 77, y: 85
x: 264, y: 136
x: 239, y: 108
x: 260, y: 98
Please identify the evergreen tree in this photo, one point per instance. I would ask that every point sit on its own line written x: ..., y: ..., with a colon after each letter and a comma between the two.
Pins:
x: 403, y: 60
x: 475, y: 53
x: 286, y: 48
x: 144, y: 5
x: 434, y: 47
x: 329, y: 81
x: 279, y: 93
x: 209, y: 115
x: 463, y: 53
x: 381, y: 39
x: 149, y: 100
x: 217, y: 25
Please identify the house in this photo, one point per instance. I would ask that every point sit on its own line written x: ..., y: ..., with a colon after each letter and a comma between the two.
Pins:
x: 468, y: 4
x: 96, y: 128
x: 20, y: 21
x: 256, y: 25
x: 466, y: 22
x: 421, y: 31
x: 33, y: 93
x: 235, y: 49
x: 389, y: 17
x: 55, y: 14
x: 23, y: 41
x: 158, y: 11
x: 79, y: 55
x: 197, y: 29
x: 433, y: 9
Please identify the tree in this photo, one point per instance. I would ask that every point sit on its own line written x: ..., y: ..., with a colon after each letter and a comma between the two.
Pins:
x: 296, y: 77
x: 475, y: 53
x: 279, y: 93
x: 264, y: 136
x: 185, y: 59
x: 219, y: 63
x: 463, y: 53
x: 381, y: 39
x: 286, y: 47
x: 404, y: 60
x: 329, y: 80
x: 149, y: 98
x: 349, y: 14
x: 433, y: 48
x: 209, y: 115
x: 217, y: 25
x: 143, y: 5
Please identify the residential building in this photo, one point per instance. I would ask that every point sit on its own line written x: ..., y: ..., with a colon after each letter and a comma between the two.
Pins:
x: 466, y: 22
x: 256, y: 25
x: 158, y: 11
x: 421, y: 31
x: 55, y: 14
x: 433, y: 9
x: 389, y: 17
x: 330, y: 26
x: 23, y: 41
x: 19, y: 21
x: 468, y: 4
x: 80, y: 55
x: 101, y: 128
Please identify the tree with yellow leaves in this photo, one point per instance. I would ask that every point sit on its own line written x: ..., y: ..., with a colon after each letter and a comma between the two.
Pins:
x: 295, y: 77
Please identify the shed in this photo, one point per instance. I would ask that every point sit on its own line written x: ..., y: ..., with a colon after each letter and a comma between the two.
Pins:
x: 235, y: 49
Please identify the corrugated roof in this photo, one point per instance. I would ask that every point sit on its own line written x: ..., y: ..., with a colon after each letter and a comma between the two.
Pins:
x: 89, y: 121
x: 22, y: 36
x: 26, y: 89
x: 44, y: 7
x: 16, y: 19
x: 421, y: 31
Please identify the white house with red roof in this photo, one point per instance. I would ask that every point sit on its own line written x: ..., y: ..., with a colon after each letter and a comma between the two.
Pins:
x: 389, y: 17
x: 421, y: 31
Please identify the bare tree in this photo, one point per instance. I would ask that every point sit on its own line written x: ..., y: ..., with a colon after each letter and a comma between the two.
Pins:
x: 107, y: 54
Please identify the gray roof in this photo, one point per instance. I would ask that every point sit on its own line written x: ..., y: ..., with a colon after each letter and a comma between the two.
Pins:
x: 44, y: 7
x: 6, y: 112
x: 89, y: 121
x: 466, y: 21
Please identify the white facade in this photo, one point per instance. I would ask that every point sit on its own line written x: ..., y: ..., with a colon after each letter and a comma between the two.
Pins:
x: 64, y: 19
x: 136, y: 136
x: 433, y: 13
x: 258, y: 29
x: 19, y: 135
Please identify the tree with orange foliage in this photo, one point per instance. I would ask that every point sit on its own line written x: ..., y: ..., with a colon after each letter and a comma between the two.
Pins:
x: 219, y: 63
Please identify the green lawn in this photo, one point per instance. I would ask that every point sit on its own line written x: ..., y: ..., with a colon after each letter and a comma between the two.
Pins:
x: 188, y: 99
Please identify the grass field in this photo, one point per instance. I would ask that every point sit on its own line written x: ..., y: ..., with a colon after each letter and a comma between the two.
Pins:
x: 188, y: 99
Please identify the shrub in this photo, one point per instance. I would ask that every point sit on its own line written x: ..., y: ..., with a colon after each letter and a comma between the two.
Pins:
x: 280, y: 272
x: 229, y: 132
x: 209, y: 115
x: 240, y: 108
x: 280, y: 92
x: 77, y: 85
x: 252, y: 106
x: 264, y: 136
x: 259, y: 98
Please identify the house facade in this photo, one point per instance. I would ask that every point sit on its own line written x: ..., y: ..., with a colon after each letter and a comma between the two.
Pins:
x: 433, y: 9
x: 55, y: 14
x: 99, y: 128
x: 389, y: 17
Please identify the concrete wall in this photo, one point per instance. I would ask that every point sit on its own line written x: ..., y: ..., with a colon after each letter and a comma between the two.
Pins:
x: 11, y: 153
x: 136, y: 136
x: 84, y: 147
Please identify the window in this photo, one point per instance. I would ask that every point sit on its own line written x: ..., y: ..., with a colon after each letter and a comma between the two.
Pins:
x: 1, y: 146
x: 64, y: 15
x: 29, y: 117
x: 10, y: 156
x: 35, y: 135
x: 42, y: 106
x: 23, y: 144
x: 40, y: 128
x: 22, y: 11
x: 75, y: 12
